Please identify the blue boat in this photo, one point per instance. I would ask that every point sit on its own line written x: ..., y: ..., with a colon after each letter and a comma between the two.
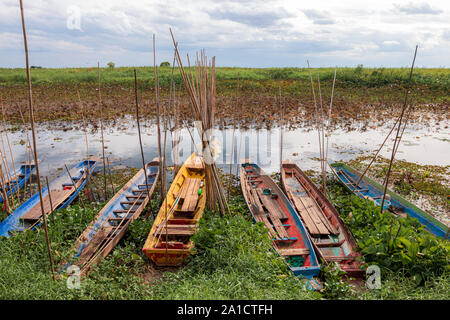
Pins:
x: 17, y: 179
x: 111, y: 223
x: 369, y: 189
x: 268, y: 204
x: 62, y: 193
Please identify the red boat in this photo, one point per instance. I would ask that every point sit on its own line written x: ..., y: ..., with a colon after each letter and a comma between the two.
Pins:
x: 329, y: 235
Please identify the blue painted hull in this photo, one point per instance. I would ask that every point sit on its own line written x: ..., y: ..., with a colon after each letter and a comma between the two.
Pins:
x: 115, y: 204
x: 16, y: 184
x: 374, y: 190
x: 13, y: 222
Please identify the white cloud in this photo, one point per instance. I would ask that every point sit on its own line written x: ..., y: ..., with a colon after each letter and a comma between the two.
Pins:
x: 240, y: 33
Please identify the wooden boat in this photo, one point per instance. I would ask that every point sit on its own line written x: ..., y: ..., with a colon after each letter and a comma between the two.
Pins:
x: 331, y: 238
x: 168, y: 243
x: 17, y: 179
x: 369, y: 189
x: 62, y: 193
x: 268, y: 204
x: 111, y: 223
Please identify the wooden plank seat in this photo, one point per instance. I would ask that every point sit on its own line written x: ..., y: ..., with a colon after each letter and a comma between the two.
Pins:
x: 136, y: 202
x: 139, y: 190
x: 315, y: 220
x: 135, y: 197
x: 293, y: 252
x: 124, y: 211
x: 339, y: 258
x: 189, y: 195
x: 271, y: 204
x: 286, y: 239
x: 170, y: 245
x: 171, y: 231
x: 273, y: 212
x: 329, y: 243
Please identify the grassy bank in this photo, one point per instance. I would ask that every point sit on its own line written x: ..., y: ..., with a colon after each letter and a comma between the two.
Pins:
x: 234, y: 260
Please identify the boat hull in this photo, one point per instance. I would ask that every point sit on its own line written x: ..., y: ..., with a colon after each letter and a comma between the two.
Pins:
x: 14, y: 222
x: 370, y: 189
x: 331, y: 238
x: 21, y: 175
x: 296, y: 247
x: 111, y: 223
x: 172, y: 246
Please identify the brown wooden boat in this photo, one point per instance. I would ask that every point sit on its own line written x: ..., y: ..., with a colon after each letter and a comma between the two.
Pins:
x: 111, y: 223
x: 268, y: 204
x: 331, y: 238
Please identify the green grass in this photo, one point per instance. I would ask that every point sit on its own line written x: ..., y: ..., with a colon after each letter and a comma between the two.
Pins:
x: 370, y: 77
x: 234, y: 260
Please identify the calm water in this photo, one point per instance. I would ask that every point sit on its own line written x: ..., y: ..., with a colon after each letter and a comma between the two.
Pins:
x: 56, y: 147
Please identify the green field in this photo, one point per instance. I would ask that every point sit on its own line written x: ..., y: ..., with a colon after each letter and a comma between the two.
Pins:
x: 437, y: 78
x: 234, y: 260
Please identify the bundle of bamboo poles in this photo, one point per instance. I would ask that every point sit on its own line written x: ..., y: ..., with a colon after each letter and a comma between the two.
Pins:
x: 200, y: 85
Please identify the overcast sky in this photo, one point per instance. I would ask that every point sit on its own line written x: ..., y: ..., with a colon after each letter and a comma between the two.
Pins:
x: 245, y: 33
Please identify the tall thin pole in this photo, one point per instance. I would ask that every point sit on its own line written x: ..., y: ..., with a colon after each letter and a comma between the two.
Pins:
x: 317, y: 117
x: 232, y: 140
x: 282, y: 128
x: 398, y: 137
x: 30, y: 105
x: 88, y: 178
x: 376, y: 154
x: 50, y: 199
x: 139, y: 132
x: 101, y: 130
x: 155, y: 69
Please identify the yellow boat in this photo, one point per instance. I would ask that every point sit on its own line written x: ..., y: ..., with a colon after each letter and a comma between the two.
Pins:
x: 169, y: 241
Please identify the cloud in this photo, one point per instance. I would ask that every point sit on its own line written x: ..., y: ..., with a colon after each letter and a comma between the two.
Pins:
x: 319, y: 17
x: 419, y: 8
x: 253, y: 33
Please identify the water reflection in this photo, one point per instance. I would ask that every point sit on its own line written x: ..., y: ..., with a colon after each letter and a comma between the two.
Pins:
x: 56, y: 147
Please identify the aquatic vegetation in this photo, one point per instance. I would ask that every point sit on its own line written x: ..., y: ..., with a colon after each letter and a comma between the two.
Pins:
x: 413, y: 181
x: 234, y: 260
x: 394, y: 244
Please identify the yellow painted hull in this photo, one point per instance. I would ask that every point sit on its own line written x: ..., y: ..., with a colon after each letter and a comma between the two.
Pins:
x: 163, y: 253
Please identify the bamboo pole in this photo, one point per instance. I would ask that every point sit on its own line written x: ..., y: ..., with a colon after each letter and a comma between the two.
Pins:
x: 50, y: 199
x: 376, y: 154
x: 232, y: 140
x: 30, y: 105
x: 155, y: 69
x: 4, y: 193
x: 139, y: 132
x: 110, y: 177
x: 328, y: 124
x: 101, y: 130
x: 317, y: 116
x: 7, y: 171
x: 27, y: 151
x: 397, y: 137
x: 201, y: 92
x: 88, y: 181
x: 281, y: 107
x: 15, y: 179
x: 322, y: 141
